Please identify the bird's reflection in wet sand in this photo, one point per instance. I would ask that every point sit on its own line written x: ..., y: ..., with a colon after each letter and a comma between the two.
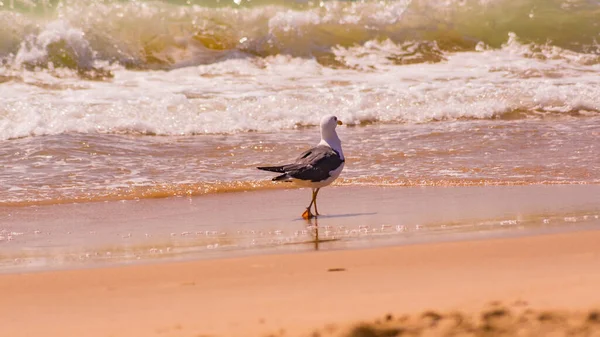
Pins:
x: 312, y: 226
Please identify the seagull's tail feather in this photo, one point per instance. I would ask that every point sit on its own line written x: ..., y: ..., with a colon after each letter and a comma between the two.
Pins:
x: 278, y: 169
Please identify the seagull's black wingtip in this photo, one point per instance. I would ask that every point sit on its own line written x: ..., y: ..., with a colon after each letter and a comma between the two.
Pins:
x: 278, y: 169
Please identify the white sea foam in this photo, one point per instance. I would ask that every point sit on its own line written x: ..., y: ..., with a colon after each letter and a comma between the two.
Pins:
x: 283, y: 92
x: 34, y: 50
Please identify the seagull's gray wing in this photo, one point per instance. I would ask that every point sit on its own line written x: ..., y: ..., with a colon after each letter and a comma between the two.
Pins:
x: 314, y: 165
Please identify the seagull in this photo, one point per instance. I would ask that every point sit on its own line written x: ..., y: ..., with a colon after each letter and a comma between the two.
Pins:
x: 316, y: 167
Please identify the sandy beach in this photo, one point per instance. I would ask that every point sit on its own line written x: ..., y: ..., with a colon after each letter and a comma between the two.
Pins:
x: 328, y: 291
x: 131, y: 204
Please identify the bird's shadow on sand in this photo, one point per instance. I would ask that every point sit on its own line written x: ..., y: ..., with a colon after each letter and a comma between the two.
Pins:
x: 347, y: 215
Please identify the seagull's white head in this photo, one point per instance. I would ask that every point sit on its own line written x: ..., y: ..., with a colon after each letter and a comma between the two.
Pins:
x: 329, y: 122
x: 328, y: 135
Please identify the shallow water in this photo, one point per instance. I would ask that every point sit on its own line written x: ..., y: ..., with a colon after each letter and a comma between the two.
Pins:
x: 134, y: 100
x: 95, y: 167
x: 266, y: 222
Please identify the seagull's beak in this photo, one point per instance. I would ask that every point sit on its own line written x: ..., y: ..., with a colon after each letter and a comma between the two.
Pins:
x: 339, y: 123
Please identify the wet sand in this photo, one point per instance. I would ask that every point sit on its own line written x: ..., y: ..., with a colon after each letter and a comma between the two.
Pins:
x: 328, y: 292
x: 268, y: 222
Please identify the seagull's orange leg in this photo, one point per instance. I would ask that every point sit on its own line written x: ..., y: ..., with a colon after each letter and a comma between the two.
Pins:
x: 307, y: 214
x: 315, y: 197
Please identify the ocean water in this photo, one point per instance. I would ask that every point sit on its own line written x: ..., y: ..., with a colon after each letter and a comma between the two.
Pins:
x: 132, y: 100
x: 110, y: 100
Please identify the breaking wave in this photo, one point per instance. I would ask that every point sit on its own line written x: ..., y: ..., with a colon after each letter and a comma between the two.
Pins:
x: 87, y: 36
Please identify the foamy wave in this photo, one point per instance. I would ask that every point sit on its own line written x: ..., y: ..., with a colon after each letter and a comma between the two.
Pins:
x: 548, y: 52
x: 377, y: 54
x: 77, y: 34
x: 284, y: 92
x: 59, y: 46
x: 75, y: 49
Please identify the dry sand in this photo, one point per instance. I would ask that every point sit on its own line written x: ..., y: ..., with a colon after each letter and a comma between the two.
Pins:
x: 547, y: 278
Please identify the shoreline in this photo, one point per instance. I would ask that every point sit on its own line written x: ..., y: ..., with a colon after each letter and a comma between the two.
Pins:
x: 303, y: 292
x: 268, y: 222
x: 209, y: 189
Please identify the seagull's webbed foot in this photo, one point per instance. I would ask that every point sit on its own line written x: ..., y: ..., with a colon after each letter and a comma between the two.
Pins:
x: 307, y: 214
